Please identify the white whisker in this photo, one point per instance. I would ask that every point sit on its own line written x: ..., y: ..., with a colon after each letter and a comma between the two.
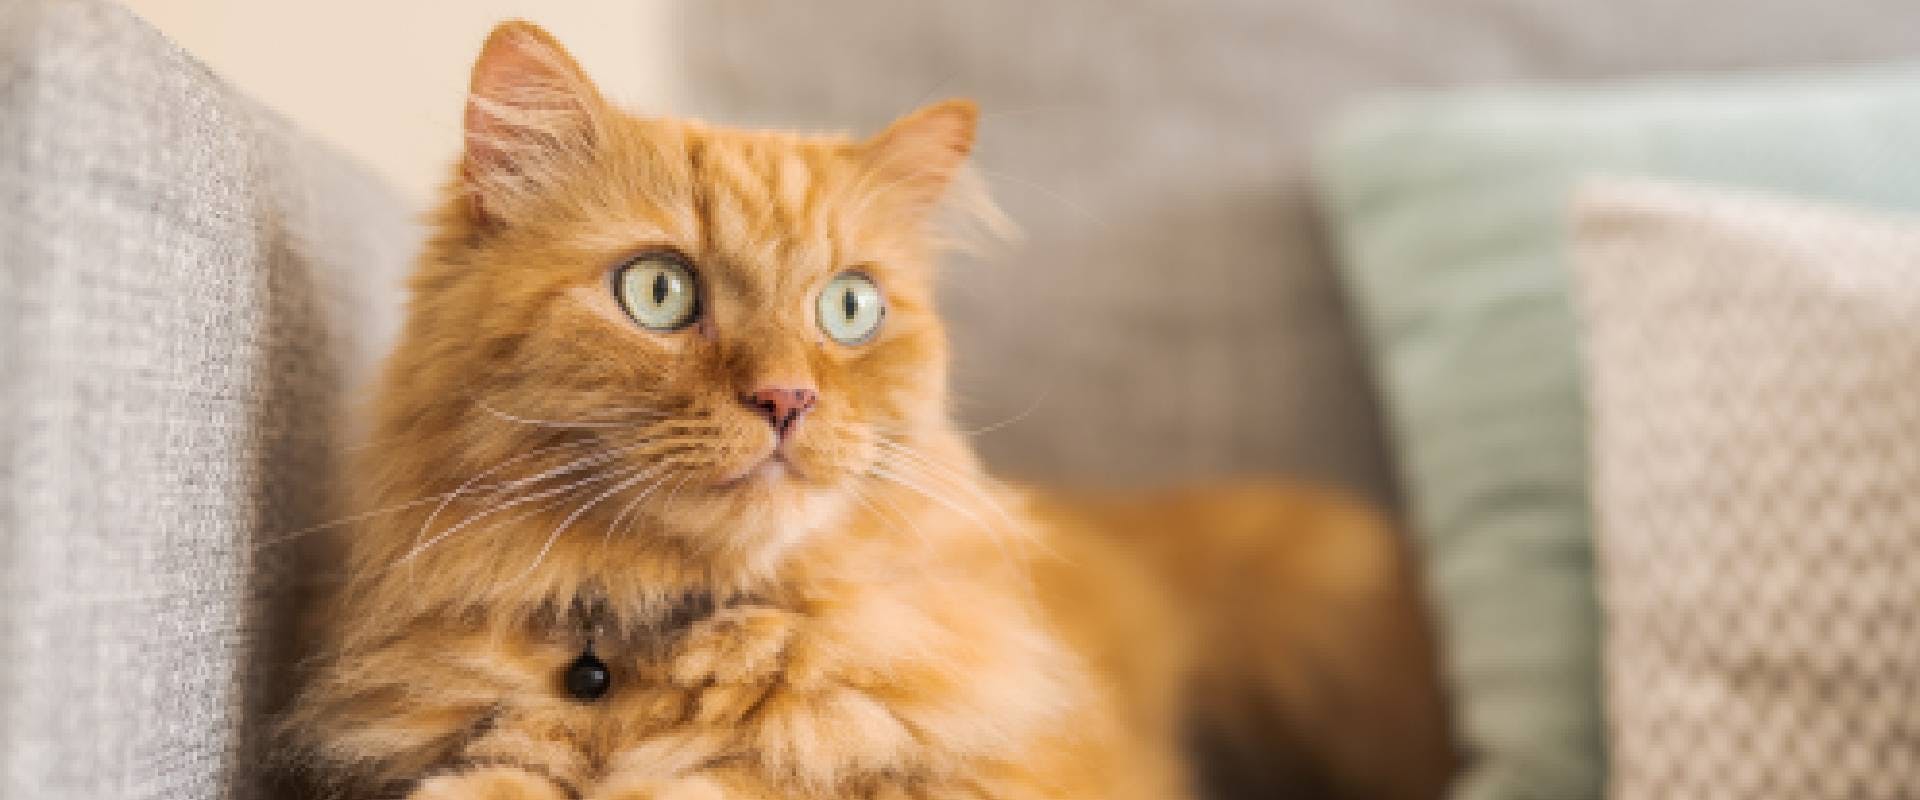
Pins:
x: 633, y: 505
x: 1015, y: 419
x: 631, y: 477
x: 642, y: 416
x: 456, y: 493
x: 496, y: 508
x: 284, y: 538
x: 953, y: 477
x: 999, y: 541
x: 938, y: 497
x: 863, y: 498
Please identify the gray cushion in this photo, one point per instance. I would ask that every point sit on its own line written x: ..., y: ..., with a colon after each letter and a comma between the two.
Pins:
x: 169, y: 258
x: 1171, y: 311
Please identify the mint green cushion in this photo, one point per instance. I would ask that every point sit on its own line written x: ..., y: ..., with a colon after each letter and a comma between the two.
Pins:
x: 1450, y: 211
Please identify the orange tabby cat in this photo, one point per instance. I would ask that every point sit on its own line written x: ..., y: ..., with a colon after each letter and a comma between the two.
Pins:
x: 670, y: 507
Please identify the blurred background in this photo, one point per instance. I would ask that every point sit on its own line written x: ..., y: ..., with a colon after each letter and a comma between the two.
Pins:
x: 1138, y: 144
x: 387, y: 81
x: 1611, y: 304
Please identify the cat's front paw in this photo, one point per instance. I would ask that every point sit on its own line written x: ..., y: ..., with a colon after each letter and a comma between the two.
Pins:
x: 488, y: 783
x: 742, y: 645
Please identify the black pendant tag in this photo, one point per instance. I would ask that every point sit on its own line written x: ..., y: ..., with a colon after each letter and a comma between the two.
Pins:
x: 587, y: 678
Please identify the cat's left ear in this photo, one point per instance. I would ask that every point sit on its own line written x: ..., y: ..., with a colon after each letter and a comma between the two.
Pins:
x: 918, y: 156
x: 531, y: 112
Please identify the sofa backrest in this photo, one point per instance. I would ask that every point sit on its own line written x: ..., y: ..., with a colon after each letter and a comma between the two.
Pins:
x: 176, y: 271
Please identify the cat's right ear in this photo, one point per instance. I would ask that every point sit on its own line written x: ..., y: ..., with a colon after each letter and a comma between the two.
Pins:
x: 531, y: 112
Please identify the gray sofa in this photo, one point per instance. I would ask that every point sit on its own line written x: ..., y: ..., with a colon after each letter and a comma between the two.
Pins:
x: 186, y: 286
x: 189, y: 289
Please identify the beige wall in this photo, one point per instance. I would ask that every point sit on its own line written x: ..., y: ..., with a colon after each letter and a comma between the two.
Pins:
x: 384, y: 78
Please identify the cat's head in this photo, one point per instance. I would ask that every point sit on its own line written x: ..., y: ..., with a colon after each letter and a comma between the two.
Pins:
x: 719, y: 329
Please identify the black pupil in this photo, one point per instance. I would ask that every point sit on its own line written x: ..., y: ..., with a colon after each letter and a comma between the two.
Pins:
x: 660, y: 286
x: 850, y: 304
x: 587, y: 678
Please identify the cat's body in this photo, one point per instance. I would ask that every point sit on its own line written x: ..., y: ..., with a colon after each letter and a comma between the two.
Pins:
x: 799, y: 580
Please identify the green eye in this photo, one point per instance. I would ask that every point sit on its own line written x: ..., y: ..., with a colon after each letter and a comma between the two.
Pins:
x: 657, y: 290
x: 851, y: 308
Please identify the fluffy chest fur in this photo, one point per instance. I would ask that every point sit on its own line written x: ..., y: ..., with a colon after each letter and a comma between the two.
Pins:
x: 867, y: 655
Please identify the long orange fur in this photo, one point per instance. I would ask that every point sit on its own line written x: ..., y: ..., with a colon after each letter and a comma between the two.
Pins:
x: 883, y: 620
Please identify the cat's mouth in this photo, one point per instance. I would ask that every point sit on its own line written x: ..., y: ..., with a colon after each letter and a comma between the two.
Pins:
x: 774, y: 468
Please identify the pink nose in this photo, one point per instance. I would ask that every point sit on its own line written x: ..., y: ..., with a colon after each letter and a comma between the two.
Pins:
x: 782, y: 406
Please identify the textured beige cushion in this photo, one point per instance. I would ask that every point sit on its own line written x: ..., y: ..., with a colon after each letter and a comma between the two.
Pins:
x: 1756, y: 396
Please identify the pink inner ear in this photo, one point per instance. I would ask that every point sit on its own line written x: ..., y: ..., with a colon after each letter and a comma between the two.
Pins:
x: 921, y: 152
x: 528, y: 104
